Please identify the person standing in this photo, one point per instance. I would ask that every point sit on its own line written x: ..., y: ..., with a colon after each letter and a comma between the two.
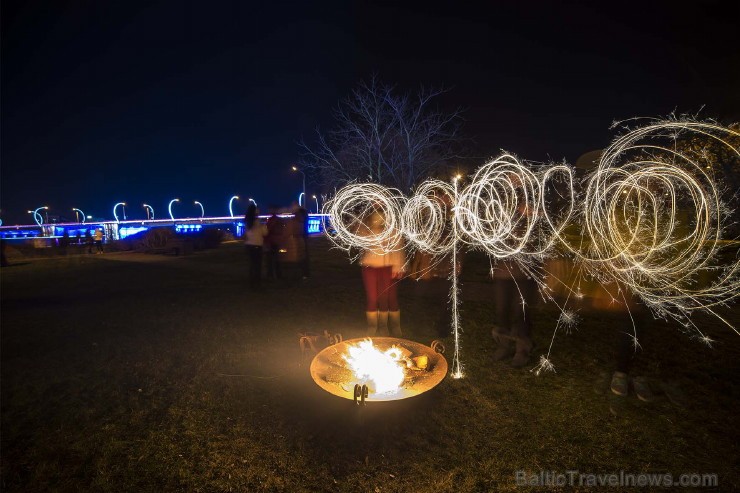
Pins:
x: 64, y: 242
x: 273, y: 244
x: 99, y: 240
x: 300, y: 216
x: 89, y: 240
x: 515, y: 293
x: 254, y: 239
x: 382, y: 269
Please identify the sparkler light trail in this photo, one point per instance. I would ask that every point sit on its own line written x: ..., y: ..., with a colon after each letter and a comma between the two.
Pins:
x: 651, y: 220
x: 353, y: 204
x: 503, y: 209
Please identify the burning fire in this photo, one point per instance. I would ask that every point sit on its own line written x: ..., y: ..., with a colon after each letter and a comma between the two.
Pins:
x: 382, y: 372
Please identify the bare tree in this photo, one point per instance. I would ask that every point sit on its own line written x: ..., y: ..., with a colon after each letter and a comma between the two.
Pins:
x: 384, y: 137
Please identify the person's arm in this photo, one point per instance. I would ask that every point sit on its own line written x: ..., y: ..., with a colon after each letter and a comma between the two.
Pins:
x: 398, y: 267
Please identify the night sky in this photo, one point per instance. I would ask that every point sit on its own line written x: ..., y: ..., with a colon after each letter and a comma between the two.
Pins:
x: 147, y: 101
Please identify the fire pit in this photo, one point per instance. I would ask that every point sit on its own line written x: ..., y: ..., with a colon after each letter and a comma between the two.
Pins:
x: 379, y: 368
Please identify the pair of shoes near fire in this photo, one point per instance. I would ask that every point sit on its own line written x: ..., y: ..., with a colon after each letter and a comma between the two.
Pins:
x: 518, y: 348
x: 384, y: 323
x: 620, y: 386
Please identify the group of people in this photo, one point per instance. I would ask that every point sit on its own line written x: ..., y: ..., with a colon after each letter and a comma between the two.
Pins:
x: 93, y: 240
x: 278, y: 240
x: 515, y: 294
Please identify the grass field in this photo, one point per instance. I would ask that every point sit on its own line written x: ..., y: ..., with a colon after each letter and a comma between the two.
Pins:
x: 127, y: 372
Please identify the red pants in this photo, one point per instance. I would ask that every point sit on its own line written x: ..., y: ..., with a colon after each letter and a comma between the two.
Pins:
x: 380, y: 289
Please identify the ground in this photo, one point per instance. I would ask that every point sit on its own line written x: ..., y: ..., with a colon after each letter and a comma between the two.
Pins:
x: 132, y: 372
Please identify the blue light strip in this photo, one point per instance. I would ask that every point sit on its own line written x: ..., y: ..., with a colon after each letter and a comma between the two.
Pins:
x: 127, y: 227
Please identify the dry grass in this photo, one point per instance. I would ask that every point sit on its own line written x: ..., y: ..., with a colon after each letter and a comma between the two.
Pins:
x: 113, y: 380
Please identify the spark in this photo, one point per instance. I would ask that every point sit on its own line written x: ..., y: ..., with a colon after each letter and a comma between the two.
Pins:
x: 544, y: 365
x: 629, y: 212
x: 568, y: 319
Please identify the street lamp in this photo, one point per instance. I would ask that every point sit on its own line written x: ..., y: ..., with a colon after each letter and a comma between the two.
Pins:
x: 252, y: 201
x: 231, y: 210
x: 38, y: 217
x: 169, y: 207
x: 295, y: 168
x: 78, y: 214
x: 148, y: 208
x: 202, y: 210
x: 317, y: 203
x: 300, y: 196
x: 123, y: 204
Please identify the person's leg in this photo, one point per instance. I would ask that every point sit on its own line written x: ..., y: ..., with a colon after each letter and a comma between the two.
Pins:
x: 270, y: 273
x: 502, y: 330
x: 250, y: 256
x: 370, y: 281
x: 306, y: 267
x: 624, y: 352
x: 524, y: 296
x: 384, y: 287
x: 255, y: 256
x: 439, y: 289
x: 394, y: 311
x: 258, y: 257
x: 276, y: 260
x: 502, y: 293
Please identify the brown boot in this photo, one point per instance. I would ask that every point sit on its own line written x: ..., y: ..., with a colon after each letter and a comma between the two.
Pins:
x: 372, y: 323
x: 504, y: 350
x: 523, y: 348
x: 382, y: 324
x: 394, y: 323
x: 505, y: 346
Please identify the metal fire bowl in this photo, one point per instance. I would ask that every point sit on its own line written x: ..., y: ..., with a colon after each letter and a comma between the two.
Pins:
x: 330, y: 372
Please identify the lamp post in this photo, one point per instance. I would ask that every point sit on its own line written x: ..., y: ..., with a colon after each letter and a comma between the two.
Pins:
x: 202, y: 210
x: 149, y: 208
x: 317, y: 203
x: 252, y: 201
x: 78, y: 214
x: 231, y: 210
x: 169, y: 207
x: 123, y: 204
x: 295, y: 168
x: 38, y: 217
x: 300, y: 196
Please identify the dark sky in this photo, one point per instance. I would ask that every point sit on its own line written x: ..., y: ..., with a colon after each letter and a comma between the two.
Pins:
x: 147, y: 101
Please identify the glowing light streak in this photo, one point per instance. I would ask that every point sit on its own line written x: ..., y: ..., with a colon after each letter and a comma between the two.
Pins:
x: 252, y: 201
x: 202, y: 210
x: 115, y: 216
x: 629, y: 218
x: 231, y: 201
x: 351, y: 210
x: 169, y: 207
x: 456, y: 365
x: 300, y: 196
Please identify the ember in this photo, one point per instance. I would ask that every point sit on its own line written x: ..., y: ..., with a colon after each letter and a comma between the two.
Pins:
x: 391, y: 368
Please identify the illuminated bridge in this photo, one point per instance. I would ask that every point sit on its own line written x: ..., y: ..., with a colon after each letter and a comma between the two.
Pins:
x: 117, y: 230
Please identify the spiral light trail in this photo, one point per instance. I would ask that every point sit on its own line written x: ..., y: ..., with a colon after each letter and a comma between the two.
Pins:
x: 649, y: 218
